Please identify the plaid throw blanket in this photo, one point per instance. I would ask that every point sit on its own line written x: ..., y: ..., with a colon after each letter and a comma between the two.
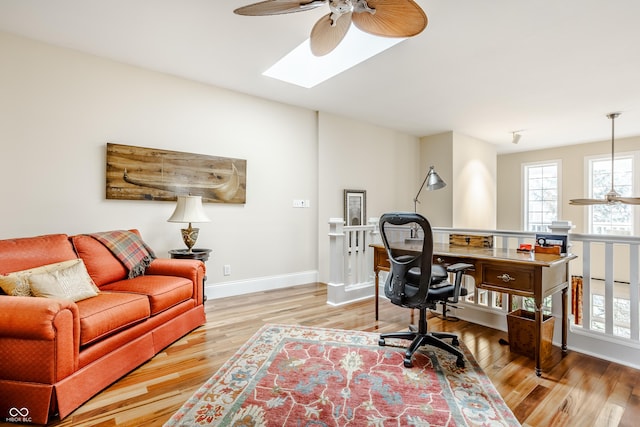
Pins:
x: 129, y: 248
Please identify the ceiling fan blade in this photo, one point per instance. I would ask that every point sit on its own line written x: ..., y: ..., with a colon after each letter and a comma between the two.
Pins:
x: 586, y: 202
x: 324, y: 38
x: 629, y: 200
x: 277, y: 7
x: 392, y: 18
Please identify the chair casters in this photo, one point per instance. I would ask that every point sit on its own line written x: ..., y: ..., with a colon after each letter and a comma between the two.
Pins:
x: 455, y: 342
x: 408, y: 363
x: 381, y: 342
x: 459, y: 362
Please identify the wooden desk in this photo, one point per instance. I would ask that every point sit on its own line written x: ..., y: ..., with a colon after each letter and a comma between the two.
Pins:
x: 501, y: 270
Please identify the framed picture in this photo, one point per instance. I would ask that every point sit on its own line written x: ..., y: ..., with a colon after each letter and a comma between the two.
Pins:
x: 139, y: 173
x: 355, y: 207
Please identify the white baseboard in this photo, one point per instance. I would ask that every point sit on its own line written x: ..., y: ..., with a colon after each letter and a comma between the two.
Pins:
x: 258, y: 284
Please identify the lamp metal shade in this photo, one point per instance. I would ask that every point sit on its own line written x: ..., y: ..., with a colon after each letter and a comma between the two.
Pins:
x: 189, y: 209
x: 434, y: 182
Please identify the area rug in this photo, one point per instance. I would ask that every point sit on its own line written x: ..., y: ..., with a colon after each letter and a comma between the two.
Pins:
x: 289, y: 375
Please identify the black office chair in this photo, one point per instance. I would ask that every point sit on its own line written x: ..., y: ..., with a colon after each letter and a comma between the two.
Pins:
x: 406, y: 286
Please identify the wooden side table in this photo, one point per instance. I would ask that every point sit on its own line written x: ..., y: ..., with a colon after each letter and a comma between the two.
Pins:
x: 199, y: 254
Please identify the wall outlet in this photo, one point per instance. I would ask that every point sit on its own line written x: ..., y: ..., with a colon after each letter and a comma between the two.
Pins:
x: 300, y: 203
x: 226, y: 270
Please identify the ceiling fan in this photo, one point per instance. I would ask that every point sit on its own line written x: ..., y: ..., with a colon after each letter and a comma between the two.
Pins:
x: 612, y: 197
x: 387, y: 18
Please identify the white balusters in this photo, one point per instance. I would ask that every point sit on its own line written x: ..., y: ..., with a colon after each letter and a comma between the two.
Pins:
x: 609, y: 267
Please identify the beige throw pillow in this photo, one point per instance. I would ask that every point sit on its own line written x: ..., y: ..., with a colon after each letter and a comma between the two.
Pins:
x: 72, y: 283
x: 17, y: 283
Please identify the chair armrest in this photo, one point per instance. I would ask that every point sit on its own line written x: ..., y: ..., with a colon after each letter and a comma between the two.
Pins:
x: 460, y: 266
x: 39, y: 339
x: 191, y: 269
x: 459, y: 269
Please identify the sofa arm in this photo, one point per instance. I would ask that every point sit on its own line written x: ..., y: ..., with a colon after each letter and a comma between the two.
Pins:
x: 191, y: 269
x: 39, y: 339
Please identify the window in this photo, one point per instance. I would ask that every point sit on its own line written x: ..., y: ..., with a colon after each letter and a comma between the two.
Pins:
x: 541, y: 195
x: 616, y: 218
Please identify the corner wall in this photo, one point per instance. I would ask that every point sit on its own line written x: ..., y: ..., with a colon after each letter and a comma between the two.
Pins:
x: 468, y: 166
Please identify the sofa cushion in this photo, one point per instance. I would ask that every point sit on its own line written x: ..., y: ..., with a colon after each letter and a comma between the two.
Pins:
x: 102, y: 266
x: 163, y: 291
x: 110, y: 312
x: 71, y: 283
x: 17, y: 283
x: 29, y: 252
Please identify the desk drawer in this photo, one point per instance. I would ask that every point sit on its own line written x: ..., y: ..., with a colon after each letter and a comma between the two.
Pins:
x: 381, y: 260
x: 508, y: 278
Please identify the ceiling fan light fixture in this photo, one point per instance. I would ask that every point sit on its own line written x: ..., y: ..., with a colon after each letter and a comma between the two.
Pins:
x: 386, y: 18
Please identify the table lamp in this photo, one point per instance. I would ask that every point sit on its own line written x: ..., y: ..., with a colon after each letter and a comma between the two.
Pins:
x: 189, y: 209
x: 433, y: 182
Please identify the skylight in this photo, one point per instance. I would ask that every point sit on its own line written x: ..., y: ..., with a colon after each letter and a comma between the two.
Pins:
x: 300, y: 67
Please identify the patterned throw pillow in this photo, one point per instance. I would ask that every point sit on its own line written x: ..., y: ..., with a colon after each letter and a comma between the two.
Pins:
x: 17, y: 283
x: 72, y: 283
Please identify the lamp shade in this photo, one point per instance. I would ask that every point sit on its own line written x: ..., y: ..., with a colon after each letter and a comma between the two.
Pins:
x: 434, y: 182
x: 189, y: 209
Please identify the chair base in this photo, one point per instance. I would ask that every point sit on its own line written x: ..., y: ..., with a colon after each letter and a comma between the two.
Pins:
x: 422, y: 337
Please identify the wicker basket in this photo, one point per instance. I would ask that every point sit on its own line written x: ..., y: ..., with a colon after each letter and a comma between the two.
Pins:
x: 521, y: 326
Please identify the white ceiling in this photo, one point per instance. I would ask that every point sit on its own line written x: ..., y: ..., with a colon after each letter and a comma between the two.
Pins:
x: 483, y: 68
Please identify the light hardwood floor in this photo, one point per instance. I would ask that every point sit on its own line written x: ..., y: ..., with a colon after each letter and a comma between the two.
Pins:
x: 574, y: 390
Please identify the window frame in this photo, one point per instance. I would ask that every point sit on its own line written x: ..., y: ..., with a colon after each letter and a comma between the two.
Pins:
x: 635, y: 186
x: 525, y: 189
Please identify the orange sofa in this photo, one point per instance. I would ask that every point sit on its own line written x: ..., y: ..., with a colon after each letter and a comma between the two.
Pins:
x: 55, y: 354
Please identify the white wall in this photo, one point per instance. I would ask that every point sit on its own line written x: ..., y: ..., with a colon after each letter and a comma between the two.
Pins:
x: 474, y: 182
x: 59, y: 108
x: 359, y: 156
x: 437, y: 206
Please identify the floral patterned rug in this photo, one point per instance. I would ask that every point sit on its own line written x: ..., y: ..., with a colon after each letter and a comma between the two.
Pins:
x: 289, y: 375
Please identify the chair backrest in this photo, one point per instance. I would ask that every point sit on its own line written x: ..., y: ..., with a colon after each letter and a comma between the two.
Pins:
x: 405, y: 255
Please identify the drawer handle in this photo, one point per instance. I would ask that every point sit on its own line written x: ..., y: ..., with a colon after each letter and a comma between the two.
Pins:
x: 506, y: 278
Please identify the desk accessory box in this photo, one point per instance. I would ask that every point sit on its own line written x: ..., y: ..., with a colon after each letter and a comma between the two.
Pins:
x: 547, y: 250
x: 551, y: 244
x: 473, y: 240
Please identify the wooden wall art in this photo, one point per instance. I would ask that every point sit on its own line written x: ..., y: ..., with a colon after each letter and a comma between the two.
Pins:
x: 137, y: 173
